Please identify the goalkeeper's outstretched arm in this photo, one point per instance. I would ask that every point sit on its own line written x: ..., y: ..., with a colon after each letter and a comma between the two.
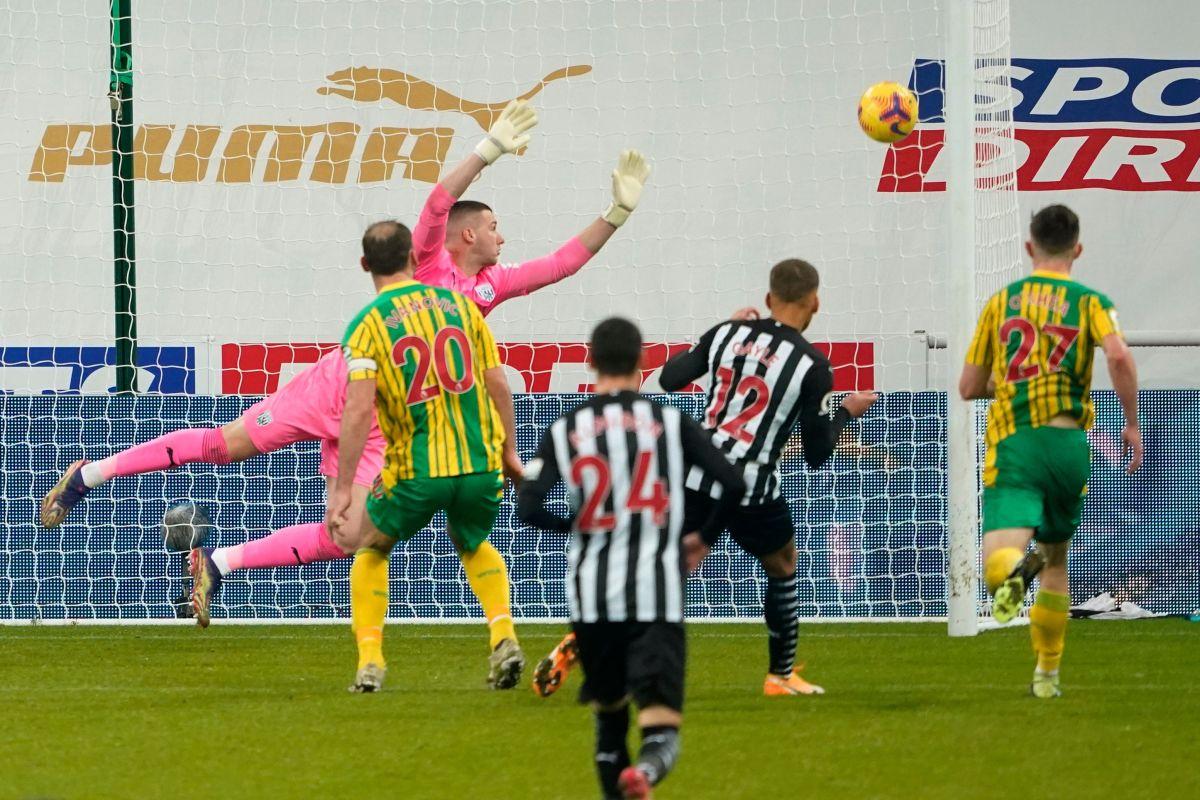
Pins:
x: 628, y: 180
x: 508, y: 134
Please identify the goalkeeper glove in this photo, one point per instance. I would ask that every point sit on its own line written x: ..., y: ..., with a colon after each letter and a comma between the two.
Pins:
x: 628, y: 179
x: 508, y: 132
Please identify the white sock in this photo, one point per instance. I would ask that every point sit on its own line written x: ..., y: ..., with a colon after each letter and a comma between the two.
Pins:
x: 220, y: 560
x: 93, y: 473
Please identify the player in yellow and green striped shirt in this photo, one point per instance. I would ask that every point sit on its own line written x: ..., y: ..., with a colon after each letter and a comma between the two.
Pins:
x: 1033, y: 351
x: 423, y: 361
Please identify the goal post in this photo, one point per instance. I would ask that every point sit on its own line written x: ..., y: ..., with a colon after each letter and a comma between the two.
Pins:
x: 962, y: 466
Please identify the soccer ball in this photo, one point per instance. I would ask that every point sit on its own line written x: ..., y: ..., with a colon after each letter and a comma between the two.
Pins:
x: 185, y: 526
x: 887, y: 112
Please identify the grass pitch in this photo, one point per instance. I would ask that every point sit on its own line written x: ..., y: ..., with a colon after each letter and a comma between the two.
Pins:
x: 263, y: 712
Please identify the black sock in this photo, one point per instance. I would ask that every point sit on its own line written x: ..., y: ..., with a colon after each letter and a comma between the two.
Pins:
x: 779, y: 609
x: 612, y: 754
x: 660, y: 750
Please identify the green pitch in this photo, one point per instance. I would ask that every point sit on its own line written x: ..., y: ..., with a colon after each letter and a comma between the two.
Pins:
x: 263, y: 712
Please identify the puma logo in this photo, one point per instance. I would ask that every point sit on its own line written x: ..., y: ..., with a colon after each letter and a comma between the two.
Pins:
x: 171, y: 457
x: 296, y: 553
x: 372, y: 84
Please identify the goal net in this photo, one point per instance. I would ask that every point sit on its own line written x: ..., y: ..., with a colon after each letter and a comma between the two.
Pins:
x: 260, y: 154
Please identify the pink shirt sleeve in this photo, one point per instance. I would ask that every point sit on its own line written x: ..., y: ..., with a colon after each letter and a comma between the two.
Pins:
x: 521, y: 279
x: 429, y: 237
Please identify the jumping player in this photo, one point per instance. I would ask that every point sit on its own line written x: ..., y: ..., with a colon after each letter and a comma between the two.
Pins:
x: 624, y: 460
x: 1033, y: 351
x: 424, y: 360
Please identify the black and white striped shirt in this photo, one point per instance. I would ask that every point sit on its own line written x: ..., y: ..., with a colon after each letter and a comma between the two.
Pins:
x: 766, y: 379
x: 623, y: 460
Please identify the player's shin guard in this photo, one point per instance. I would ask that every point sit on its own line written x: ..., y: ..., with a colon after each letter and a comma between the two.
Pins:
x: 1048, y: 628
x: 779, y: 609
x: 612, y: 752
x: 368, y: 604
x: 660, y: 751
x: 488, y: 576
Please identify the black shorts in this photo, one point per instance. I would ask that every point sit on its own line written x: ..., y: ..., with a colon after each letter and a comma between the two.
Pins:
x: 759, y: 530
x: 642, y: 660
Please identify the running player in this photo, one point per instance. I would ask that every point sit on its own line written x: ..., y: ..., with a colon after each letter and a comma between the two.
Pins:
x: 1033, y: 351
x: 766, y: 379
x: 624, y: 460
x: 424, y: 360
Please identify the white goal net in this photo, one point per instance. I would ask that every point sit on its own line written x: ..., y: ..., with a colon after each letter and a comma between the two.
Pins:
x: 256, y: 170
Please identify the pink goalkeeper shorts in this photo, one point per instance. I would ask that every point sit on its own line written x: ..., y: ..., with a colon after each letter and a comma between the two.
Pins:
x: 309, y: 408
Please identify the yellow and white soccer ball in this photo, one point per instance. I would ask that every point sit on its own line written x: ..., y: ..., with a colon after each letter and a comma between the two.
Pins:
x: 887, y: 112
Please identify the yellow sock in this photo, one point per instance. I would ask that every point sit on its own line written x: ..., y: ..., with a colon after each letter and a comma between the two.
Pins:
x: 1048, y: 627
x: 368, y: 604
x: 999, y: 566
x: 488, y: 576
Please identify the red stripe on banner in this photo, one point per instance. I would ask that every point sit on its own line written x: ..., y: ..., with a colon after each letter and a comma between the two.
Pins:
x: 1124, y: 160
x: 255, y: 368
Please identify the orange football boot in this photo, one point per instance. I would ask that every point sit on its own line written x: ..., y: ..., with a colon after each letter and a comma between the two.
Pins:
x: 552, y: 671
x: 790, y: 685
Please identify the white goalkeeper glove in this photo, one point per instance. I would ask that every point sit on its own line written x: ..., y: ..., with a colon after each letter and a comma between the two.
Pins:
x: 508, y: 132
x: 628, y: 179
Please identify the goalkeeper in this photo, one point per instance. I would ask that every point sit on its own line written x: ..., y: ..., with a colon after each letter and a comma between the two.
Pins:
x: 457, y: 243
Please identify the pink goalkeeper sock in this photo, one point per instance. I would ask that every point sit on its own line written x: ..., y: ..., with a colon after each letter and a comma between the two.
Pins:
x: 170, y: 450
x: 297, y: 544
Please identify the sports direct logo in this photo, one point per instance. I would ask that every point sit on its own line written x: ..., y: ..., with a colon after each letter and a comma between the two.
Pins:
x: 1129, y: 124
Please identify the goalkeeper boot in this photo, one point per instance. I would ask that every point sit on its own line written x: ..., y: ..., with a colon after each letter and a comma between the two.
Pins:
x: 505, y: 665
x: 1045, y: 685
x: 369, y: 679
x: 552, y: 671
x: 789, y: 685
x: 206, y: 580
x: 634, y: 784
x: 1010, y: 595
x: 59, y: 501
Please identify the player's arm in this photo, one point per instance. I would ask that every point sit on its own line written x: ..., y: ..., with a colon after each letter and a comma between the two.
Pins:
x: 508, y: 134
x: 686, y: 367
x: 540, y: 476
x: 628, y: 179
x: 976, y: 383
x: 818, y: 431
x: 1122, y: 371
x: 699, y: 450
x: 497, y: 388
x: 488, y: 356
x: 357, y: 416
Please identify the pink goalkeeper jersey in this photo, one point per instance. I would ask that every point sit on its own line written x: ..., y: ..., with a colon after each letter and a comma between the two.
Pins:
x: 495, y: 284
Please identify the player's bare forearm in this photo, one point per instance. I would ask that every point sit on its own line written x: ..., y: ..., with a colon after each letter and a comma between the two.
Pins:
x: 456, y: 181
x: 497, y: 388
x: 1122, y: 370
x: 596, y: 235
x: 975, y: 383
x: 356, y: 426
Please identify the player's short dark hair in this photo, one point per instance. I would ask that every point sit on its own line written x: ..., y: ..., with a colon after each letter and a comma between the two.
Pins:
x: 793, y: 279
x: 386, y: 246
x: 616, y: 347
x: 1055, y: 230
x: 465, y: 207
